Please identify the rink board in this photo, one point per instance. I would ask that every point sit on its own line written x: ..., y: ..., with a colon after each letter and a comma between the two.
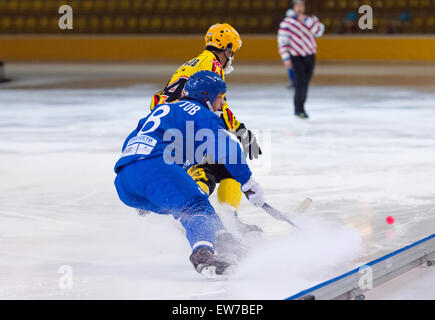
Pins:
x: 256, y: 47
x: 354, y: 283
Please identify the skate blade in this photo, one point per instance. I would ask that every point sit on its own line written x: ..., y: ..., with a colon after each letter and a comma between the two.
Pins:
x: 244, y: 231
x: 210, y: 274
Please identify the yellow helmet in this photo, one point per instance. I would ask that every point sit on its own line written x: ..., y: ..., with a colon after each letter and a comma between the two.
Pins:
x: 223, y: 35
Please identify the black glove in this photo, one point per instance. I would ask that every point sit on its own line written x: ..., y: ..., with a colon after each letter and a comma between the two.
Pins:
x: 248, y: 141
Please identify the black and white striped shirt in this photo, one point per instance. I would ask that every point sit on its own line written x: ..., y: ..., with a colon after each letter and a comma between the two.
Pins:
x: 297, y: 38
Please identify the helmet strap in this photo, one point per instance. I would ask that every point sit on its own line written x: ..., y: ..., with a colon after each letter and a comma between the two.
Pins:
x: 210, y: 107
x: 228, y: 68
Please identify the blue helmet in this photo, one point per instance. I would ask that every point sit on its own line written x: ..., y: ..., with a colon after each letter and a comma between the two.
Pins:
x: 204, y: 86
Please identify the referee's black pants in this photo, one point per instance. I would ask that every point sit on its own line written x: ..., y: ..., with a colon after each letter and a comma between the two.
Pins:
x: 303, y: 68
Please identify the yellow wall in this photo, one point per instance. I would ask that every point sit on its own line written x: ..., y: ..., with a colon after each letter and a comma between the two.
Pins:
x: 377, y: 48
x: 175, y: 47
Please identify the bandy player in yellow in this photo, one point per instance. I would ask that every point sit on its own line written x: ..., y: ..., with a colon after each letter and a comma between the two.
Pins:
x: 221, y: 42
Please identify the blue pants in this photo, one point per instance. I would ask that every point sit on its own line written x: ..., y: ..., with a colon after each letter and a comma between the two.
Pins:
x: 153, y: 185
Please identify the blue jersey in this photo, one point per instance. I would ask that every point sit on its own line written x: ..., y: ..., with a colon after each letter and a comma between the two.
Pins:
x: 184, y: 132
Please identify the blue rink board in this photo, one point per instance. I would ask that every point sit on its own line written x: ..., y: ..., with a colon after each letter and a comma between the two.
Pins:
x: 356, y: 270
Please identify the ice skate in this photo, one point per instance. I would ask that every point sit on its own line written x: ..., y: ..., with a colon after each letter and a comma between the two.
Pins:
x: 208, y: 264
x: 302, y: 115
x: 229, y: 247
x: 245, y: 228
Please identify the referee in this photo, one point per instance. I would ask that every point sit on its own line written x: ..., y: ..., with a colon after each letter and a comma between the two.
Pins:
x: 297, y: 47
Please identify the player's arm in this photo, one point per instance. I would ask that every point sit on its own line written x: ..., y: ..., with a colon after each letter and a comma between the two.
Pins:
x: 157, y: 97
x: 316, y: 27
x: 240, y: 172
x: 283, y: 38
x: 245, y: 136
x: 155, y: 100
x: 221, y: 148
x: 228, y: 152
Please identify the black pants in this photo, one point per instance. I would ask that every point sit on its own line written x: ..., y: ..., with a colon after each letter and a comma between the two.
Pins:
x: 303, y: 68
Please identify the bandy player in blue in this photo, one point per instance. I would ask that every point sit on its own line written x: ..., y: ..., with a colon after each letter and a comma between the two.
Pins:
x: 149, y: 179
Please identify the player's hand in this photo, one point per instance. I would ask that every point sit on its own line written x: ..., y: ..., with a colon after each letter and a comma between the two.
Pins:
x: 253, y: 192
x: 248, y: 141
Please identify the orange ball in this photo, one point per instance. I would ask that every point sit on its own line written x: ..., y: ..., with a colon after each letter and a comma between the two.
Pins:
x: 390, y: 219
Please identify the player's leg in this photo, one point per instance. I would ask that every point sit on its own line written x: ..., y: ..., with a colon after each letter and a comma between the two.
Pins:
x: 299, y: 83
x: 203, y: 176
x: 310, y: 64
x: 229, y: 195
x: 228, y: 192
x: 207, y: 175
x: 152, y: 184
x: 126, y: 184
x: 203, y: 226
x: 155, y: 186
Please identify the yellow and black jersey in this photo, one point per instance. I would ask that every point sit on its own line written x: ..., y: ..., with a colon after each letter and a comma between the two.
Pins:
x: 207, y: 60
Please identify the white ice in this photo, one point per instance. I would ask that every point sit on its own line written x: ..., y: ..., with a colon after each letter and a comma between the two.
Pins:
x: 365, y: 154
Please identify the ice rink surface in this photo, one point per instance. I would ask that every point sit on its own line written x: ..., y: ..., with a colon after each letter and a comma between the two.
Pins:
x: 365, y: 154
